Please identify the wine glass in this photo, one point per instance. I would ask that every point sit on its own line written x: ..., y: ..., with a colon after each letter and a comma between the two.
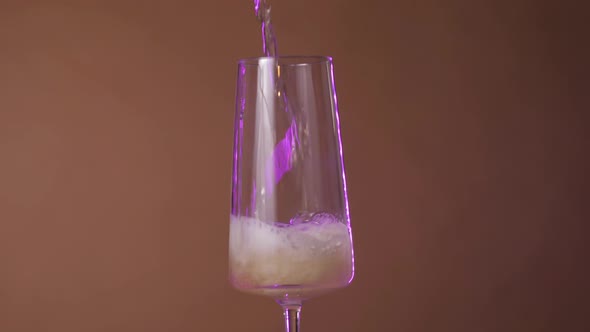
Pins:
x: 290, y: 236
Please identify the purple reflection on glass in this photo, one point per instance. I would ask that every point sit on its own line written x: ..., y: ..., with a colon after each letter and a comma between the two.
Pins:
x: 256, y: 6
x: 281, y: 160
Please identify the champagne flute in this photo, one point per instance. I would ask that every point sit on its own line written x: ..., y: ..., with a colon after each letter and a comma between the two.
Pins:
x: 290, y: 236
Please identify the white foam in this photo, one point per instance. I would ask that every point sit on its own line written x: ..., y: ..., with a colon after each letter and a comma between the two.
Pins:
x: 264, y: 254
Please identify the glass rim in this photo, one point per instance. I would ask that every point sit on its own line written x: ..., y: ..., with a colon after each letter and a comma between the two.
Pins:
x: 288, y: 60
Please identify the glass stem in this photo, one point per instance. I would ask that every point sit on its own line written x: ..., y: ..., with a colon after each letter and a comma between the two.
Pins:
x: 291, y: 313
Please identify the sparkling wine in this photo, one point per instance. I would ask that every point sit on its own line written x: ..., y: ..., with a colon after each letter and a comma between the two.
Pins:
x: 299, y: 259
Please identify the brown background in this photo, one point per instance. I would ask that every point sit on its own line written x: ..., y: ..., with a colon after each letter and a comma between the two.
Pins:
x: 463, y: 136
